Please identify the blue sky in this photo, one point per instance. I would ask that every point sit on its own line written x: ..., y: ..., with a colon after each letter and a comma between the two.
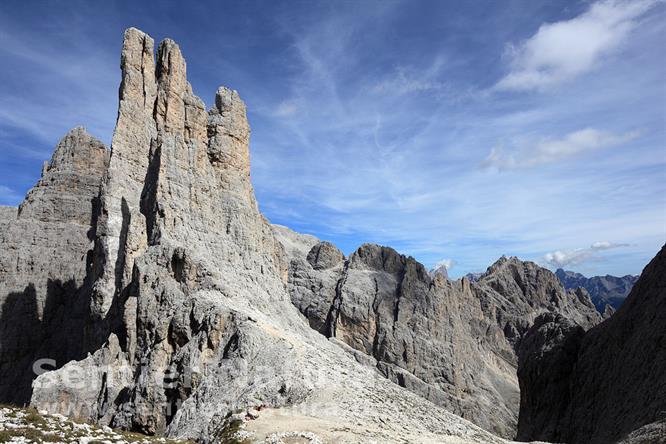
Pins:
x: 452, y: 131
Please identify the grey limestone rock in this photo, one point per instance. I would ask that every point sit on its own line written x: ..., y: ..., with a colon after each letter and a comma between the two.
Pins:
x: 94, y: 382
x: 451, y: 342
x: 652, y: 433
x: 188, y: 287
x: 547, y: 356
x: 44, y: 257
x: 151, y: 275
x: 515, y: 292
x: 121, y: 227
x: 325, y: 255
x: 608, y: 311
x: 440, y: 270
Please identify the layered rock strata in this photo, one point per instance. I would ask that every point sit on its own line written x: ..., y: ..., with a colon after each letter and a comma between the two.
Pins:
x: 169, y: 303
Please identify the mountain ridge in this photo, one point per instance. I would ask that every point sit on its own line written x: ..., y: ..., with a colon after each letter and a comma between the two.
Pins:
x: 150, y: 274
x: 604, y: 290
x: 615, y: 368
x: 183, y: 319
x: 412, y: 325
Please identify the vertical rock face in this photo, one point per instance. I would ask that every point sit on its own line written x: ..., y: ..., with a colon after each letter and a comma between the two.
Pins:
x: 192, y: 308
x: 203, y: 232
x: 44, y: 255
x: 544, y: 403
x: 188, y: 288
x: 611, y: 379
x: 69, y: 183
x: 451, y: 342
x: 178, y: 218
x: 121, y: 226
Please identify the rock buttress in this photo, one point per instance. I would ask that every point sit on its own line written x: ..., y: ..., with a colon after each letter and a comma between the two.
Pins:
x: 45, y: 254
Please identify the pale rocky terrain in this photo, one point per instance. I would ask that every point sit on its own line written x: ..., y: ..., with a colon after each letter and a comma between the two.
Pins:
x: 23, y: 426
x: 170, y: 306
x: 452, y: 342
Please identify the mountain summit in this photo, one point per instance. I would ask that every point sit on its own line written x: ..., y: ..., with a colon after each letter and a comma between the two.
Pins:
x: 141, y: 288
x: 167, y: 287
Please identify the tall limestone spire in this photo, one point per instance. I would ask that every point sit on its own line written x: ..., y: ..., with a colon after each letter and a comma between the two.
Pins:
x: 121, y: 226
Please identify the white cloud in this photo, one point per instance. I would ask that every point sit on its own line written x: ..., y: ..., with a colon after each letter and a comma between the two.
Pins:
x: 442, y: 268
x: 561, y: 259
x: 563, y: 50
x: 360, y: 162
x: 605, y: 245
x: 446, y: 263
x: 554, y: 150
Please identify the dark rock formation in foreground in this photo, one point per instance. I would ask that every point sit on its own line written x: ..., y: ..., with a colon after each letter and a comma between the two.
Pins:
x: 599, y: 386
x: 44, y: 257
x: 604, y: 290
x: 451, y: 342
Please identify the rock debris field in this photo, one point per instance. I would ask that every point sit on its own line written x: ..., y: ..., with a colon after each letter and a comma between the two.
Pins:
x: 18, y: 425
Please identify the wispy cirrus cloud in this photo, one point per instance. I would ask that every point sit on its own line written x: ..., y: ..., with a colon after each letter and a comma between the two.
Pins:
x: 565, y: 258
x: 409, y: 79
x: 87, y: 80
x: 377, y: 136
x: 554, y: 150
x: 286, y: 108
x: 387, y: 149
x: 558, y: 52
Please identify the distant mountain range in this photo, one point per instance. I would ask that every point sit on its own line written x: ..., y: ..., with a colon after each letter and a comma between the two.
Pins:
x: 473, y: 277
x: 611, y: 290
x: 604, y: 290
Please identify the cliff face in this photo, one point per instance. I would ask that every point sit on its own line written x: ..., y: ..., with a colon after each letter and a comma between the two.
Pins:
x: 183, y: 297
x: 515, y: 292
x: 44, y: 256
x: 611, y: 379
x: 451, y: 342
x: 169, y: 305
x: 179, y: 244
